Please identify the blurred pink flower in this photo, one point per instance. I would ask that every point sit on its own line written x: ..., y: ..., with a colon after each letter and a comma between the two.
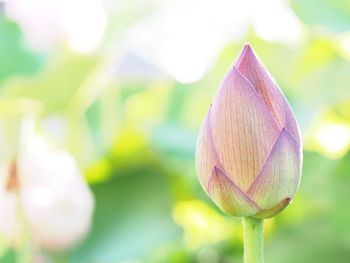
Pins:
x: 249, y: 152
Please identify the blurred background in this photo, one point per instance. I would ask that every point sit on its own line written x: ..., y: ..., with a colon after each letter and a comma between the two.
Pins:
x: 100, y: 105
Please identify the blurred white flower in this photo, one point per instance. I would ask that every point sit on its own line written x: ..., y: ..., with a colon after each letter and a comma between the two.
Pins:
x: 79, y: 23
x: 55, y: 199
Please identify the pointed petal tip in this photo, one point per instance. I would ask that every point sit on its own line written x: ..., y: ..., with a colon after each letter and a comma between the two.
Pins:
x: 229, y: 196
x: 234, y: 71
x: 247, y: 47
x: 247, y: 53
x: 236, y: 77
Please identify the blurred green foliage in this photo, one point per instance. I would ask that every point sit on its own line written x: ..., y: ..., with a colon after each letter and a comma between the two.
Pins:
x: 334, y: 14
x: 15, y: 58
x: 135, y: 139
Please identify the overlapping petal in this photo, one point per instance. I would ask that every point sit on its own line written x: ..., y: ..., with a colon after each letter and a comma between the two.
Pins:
x: 270, y: 212
x: 251, y: 67
x: 249, y: 154
x: 291, y: 124
x: 228, y: 196
x: 280, y: 175
x: 243, y: 129
x: 206, y: 156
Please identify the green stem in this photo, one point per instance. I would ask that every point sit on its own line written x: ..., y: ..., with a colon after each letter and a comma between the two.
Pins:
x: 253, y: 240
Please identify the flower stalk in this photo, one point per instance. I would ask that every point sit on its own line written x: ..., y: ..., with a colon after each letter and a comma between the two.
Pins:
x: 253, y: 240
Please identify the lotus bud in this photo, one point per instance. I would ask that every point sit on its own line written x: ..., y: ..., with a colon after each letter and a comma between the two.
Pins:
x: 55, y: 200
x: 249, y: 151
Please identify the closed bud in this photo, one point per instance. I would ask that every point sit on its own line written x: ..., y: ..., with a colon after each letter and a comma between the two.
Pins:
x: 249, y: 152
x: 55, y: 202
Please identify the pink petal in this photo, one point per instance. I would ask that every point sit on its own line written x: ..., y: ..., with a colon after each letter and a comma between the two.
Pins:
x: 291, y: 124
x: 228, y: 196
x: 243, y: 129
x: 251, y: 67
x: 280, y: 175
x: 206, y: 156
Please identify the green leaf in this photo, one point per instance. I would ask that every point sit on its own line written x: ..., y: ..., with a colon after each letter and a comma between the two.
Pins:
x: 132, y: 218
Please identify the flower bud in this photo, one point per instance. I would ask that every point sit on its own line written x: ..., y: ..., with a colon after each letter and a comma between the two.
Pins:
x: 55, y: 201
x: 249, y: 152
